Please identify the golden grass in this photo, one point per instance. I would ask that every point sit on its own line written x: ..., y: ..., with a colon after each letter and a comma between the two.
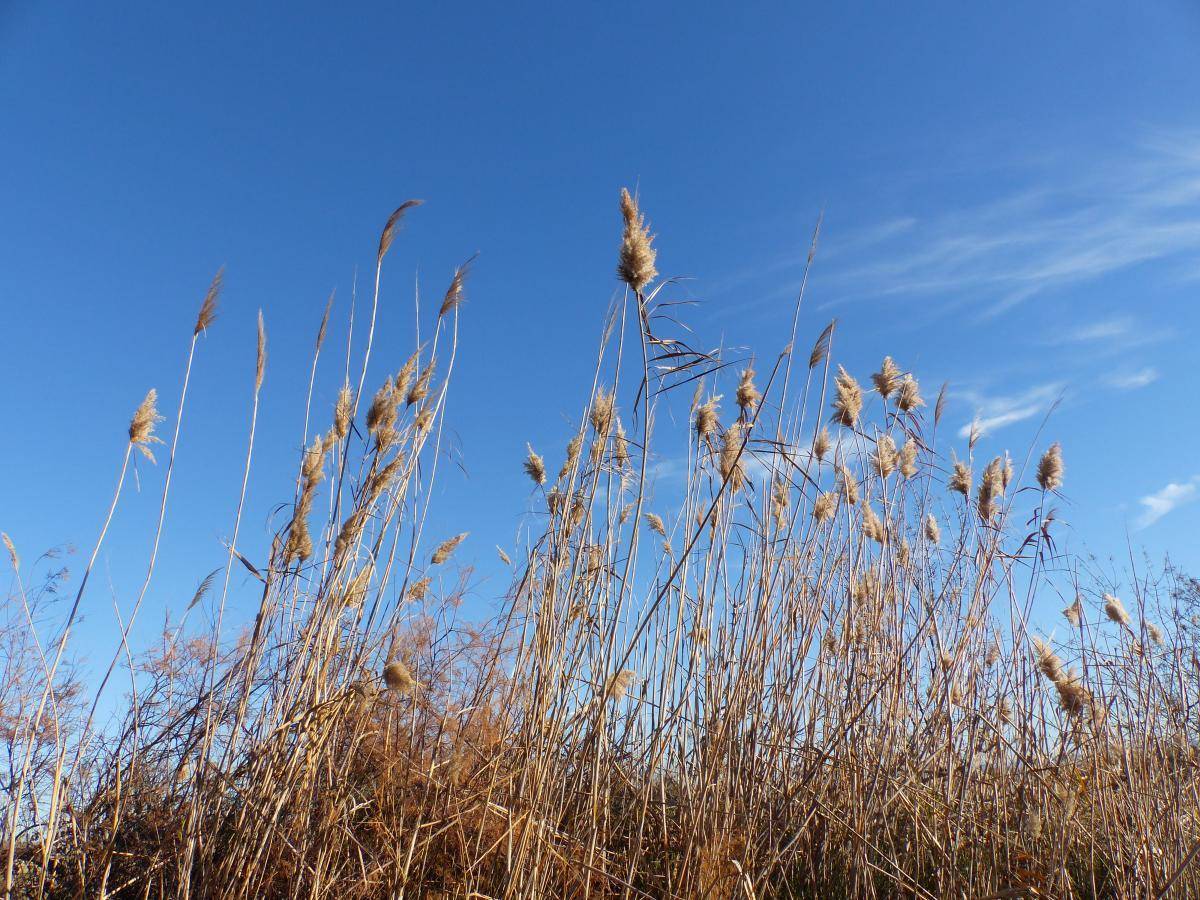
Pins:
x: 811, y: 674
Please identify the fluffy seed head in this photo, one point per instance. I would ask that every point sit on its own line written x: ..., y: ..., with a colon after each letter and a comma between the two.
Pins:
x: 419, y: 589
x: 454, y: 293
x: 208, y: 308
x: 885, y: 457
x: 655, y: 523
x: 602, y: 412
x: 446, y: 548
x: 260, y: 360
x: 573, y: 448
x: 621, y: 445
x: 619, y: 684
x: 1050, y: 468
x: 991, y: 487
x: 141, y: 426
x: 733, y: 469
x: 821, y: 443
x: 635, y: 265
x: 535, y: 467
x: 1047, y: 660
x: 747, y: 394
x: 820, y: 349
x: 908, y: 458
x: 932, y: 532
x: 342, y: 412
x: 1074, y: 613
x: 960, y: 479
x: 381, y: 417
x: 847, y: 403
x: 420, y: 389
x: 393, y: 225
x: 887, y: 379
x: 1155, y: 633
x: 909, y: 397
x: 849, y: 485
x: 707, y: 422
x: 825, y: 506
x: 398, y: 678
x: 405, y: 376
x: 1072, y: 695
x: 1115, y: 611
x: 12, y: 551
x: 872, y: 525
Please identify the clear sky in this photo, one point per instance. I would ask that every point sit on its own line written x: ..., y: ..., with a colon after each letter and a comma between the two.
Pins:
x: 1011, y: 197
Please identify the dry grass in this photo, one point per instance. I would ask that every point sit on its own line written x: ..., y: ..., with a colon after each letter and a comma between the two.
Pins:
x: 813, y: 674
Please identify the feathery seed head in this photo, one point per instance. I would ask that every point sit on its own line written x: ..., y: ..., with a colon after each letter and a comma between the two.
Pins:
x: 573, y: 448
x: 655, y: 523
x: 1115, y: 611
x: 208, y: 308
x: 619, y: 684
x: 849, y: 485
x: 446, y: 548
x: 932, y: 532
x: 1074, y: 612
x: 342, y: 412
x: 1047, y: 660
x: 909, y: 397
x: 602, y: 412
x: 908, y: 458
x: 1154, y: 632
x: 821, y: 443
x: 398, y: 678
x: 393, y: 225
x: 820, y: 349
x: 420, y: 389
x: 733, y: 469
x: 1050, y: 468
x: 707, y: 422
x: 260, y: 360
x: 535, y: 467
x: 887, y: 379
x: 621, y: 445
x: 635, y: 265
x: 885, y: 457
x: 872, y: 525
x: 405, y: 376
x: 848, y: 401
x: 454, y: 293
x: 825, y: 506
x: 381, y: 417
x: 960, y: 479
x: 747, y: 394
x: 12, y: 551
x: 141, y: 426
x: 419, y: 589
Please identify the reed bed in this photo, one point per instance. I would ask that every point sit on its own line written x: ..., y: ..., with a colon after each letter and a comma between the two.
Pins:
x: 817, y: 665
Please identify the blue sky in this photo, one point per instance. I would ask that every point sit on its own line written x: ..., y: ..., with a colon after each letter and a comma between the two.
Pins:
x: 1011, y: 199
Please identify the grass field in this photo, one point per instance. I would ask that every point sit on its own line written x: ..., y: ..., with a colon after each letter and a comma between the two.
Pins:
x: 822, y: 670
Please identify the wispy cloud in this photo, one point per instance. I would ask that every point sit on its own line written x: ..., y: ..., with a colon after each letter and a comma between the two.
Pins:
x: 1132, y: 381
x: 993, y: 412
x: 1070, y: 228
x: 1165, y: 500
x: 1104, y: 329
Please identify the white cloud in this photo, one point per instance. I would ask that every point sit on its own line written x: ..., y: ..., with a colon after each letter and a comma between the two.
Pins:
x: 1131, y: 381
x: 997, y: 411
x: 1165, y: 500
x: 1103, y: 329
x: 1067, y: 227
